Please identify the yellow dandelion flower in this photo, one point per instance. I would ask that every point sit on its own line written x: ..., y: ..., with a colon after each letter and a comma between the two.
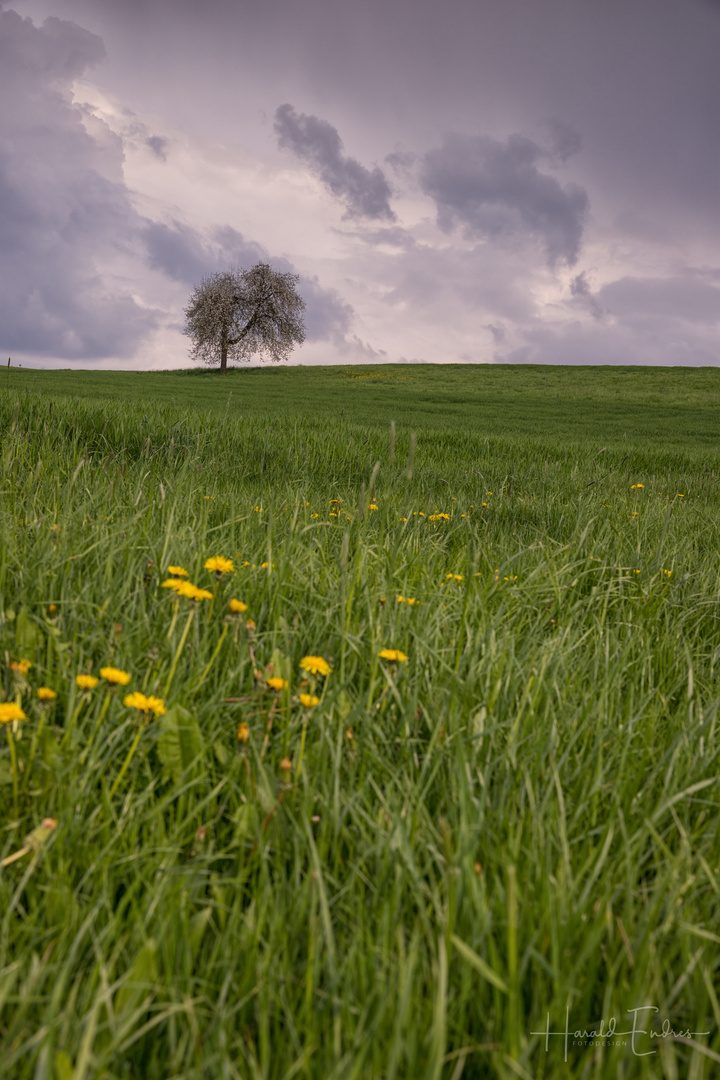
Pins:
x: 403, y: 519
x: 178, y: 571
x: 372, y: 506
x: 115, y: 675
x: 46, y: 694
x: 10, y: 711
x: 237, y: 606
x: 219, y: 565
x: 276, y: 683
x: 243, y: 732
x: 395, y: 656
x: 250, y: 624
x: 21, y: 666
x: 136, y: 701
x: 145, y: 704
x: 286, y: 764
x: 309, y: 701
x: 173, y: 583
x: 87, y: 682
x: 439, y: 517
x: 52, y: 608
x: 667, y: 573
x: 680, y: 495
x: 316, y: 665
x: 192, y: 592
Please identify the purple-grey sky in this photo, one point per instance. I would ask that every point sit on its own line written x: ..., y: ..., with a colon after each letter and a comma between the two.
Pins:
x: 454, y: 180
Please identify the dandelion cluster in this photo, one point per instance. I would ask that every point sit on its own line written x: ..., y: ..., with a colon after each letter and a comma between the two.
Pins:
x: 145, y: 704
x: 275, y: 682
x: 86, y: 682
x: 315, y: 665
x: 9, y: 711
x: 115, y: 676
x: 394, y: 656
x: 219, y: 565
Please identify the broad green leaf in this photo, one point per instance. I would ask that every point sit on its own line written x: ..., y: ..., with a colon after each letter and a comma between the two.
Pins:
x: 480, y: 965
x: 281, y: 665
x: 27, y: 635
x: 246, y: 823
x: 140, y: 979
x: 221, y: 753
x: 344, y: 705
x: 198, y: 926
x: 64, y: 1068
x: 181, y: 745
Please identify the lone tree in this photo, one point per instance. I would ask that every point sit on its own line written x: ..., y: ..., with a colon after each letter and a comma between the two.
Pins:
x: 235, y: 313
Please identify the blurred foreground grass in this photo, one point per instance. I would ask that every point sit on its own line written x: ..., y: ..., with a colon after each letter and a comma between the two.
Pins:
x: 520, y: 817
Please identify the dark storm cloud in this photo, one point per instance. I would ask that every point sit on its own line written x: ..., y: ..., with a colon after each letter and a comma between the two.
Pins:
x: 581, y: 291
x: 495, y: 190
x: 327, y: 316
x: 401, y: 162
x: 565, y: 139
x: 668, y: 321
x: 59, y: 51
x: 65, y: 216
x: 366, y: 193
x: 578, y: 344
x: 680, y: 299
x: 186, y: 256
x: 158, y: 145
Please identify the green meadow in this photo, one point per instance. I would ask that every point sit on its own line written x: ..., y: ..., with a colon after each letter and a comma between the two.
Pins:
x: 412, y: 865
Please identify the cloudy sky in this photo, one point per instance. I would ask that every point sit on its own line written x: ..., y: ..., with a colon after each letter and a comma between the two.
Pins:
x: 453, y: 180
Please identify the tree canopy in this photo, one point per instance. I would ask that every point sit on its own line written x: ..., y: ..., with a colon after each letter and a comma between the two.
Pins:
x: 234, y: 314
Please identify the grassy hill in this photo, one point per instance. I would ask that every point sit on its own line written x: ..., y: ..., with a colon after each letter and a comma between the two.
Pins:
x: 672, y: 406
x: 500, y: 802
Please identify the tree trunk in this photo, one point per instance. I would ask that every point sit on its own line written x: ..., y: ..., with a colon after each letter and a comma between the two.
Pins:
x: 223, y: 353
